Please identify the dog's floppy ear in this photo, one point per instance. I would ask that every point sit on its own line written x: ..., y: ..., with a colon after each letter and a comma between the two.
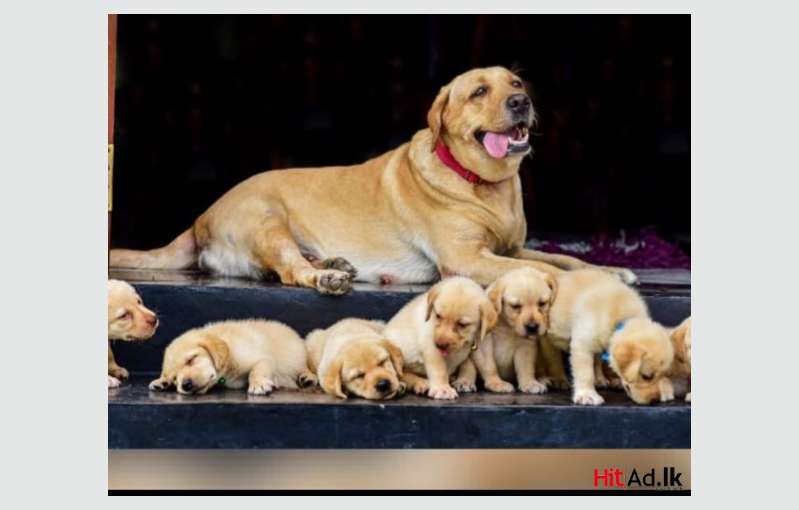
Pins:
x: 627, y: 358
x: 218, y: 350
x: 435, y: 116
x: 494, y: 293
x: 432, y: 294
x: 552, y: 282
x: 395, y: 354
x: 331, y: 380
x: 488, y: 318
x: 678, y: 335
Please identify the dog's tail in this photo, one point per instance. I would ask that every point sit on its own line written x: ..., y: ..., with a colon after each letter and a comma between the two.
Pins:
x: 179, y: 254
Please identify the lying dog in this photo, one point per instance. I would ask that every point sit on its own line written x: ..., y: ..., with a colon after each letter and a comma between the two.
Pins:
x: 522, y: 299
x: 680, y: 370
x: 262, y: 355
x: 128, y: 319
x: 595, y: 313
x: 437, y: 331
x: 460, y: 175
x: 353, y: 357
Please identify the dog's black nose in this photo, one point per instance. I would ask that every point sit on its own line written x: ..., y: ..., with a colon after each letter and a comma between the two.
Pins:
x: 519, y: 103
x: 187, y: 385
x: 383, y: 385
x: 531, y: 328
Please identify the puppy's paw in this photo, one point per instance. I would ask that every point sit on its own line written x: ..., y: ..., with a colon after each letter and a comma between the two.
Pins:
x: 688, y: 397
x: 333, y: 282
x: 497, y: 385
x: 534, y: 387
x: 666, y: 390
x: 420, y: 386
x: 559, y: 384
x: 588, y: 398
x: 442, y: 392
x: 113, y: 382
x: 307, y: 380
x: 262, y: 387
x: 402, y: 388
x: 600, y: 381
x: 624, y: 275
x: 341, y: 264
x: 464, y: 386
x: 159, y: 385
x: 118, y: 372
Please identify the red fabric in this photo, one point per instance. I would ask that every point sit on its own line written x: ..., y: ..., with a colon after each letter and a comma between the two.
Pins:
x: 448, y: 159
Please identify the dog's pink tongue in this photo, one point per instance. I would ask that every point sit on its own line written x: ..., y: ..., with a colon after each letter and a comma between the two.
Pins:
x: 496, y: 144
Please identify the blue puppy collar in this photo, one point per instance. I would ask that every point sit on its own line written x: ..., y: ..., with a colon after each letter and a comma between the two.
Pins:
x: 605, y: 356
x: 619, y: 326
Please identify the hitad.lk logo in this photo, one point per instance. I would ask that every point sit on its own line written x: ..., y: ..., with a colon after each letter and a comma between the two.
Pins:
x: 614, y: 478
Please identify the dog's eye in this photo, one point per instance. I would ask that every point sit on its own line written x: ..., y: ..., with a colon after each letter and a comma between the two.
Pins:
x: 516, y: 84
x: 190, y: 360
x: 462, y: 324
x: 138, y: 301
x: 543, y: 304
x: 125, y: 316
x: 480, y: 91
x: 647, y: 377
x: 515, y: 306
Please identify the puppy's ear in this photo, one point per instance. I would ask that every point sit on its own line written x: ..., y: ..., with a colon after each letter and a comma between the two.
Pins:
x: 395, y: 354
x: 218, y: 350
x: 331, y: 380
x: 488, y: 318
x: 494, y: 293
x: 627, y: 360
x: 432, y: 295
x: 552, y: 283
x: 435, y: 116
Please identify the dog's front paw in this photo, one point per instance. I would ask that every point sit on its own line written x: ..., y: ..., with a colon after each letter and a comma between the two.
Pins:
x: 560, y: 384
x: 113, y: 382
x: 666, y: 390
x: 159, y: 385
x: 588, y: 398
x: 442, y: 392
x: 420, y: 386
x: 333, y: 282
x: 534, y: 387
x: 600, y: 381
x: 340, y: 264
x: 464, y: 386
x: 497, y: 385
x: 262, y: 387
x: 118, y: 372
x: 402, y: 388
x: 306, y: 380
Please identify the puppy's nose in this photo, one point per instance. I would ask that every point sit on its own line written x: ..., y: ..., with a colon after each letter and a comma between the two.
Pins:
x: 519, y: 103
x: 532, y: 328
x: 383, y: 385
x: 442, y: 345
x: 152, y: 321
x: 187, y: 385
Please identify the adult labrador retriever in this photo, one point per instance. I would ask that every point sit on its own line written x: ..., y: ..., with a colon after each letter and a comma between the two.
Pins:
x: 448, y: 202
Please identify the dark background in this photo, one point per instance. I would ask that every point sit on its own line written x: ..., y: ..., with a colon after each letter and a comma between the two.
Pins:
x: 202, y: 102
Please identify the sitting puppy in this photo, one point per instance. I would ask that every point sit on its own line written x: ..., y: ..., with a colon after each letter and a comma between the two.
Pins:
x: 436, y: 332
x: 680, y: 370
x: 594, y: 313
x: 128, y: 319
x: 353, y: 357
x: 262, y: 355
x: 522, y: 298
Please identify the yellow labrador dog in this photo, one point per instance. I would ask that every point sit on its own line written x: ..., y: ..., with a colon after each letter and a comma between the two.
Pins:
x: 128, y: 319
x: 352, y: 356
x: 257, y: 354
x: 447, y: 202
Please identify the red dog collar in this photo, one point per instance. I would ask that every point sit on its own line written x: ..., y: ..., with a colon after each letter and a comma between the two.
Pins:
x: 448, y: 159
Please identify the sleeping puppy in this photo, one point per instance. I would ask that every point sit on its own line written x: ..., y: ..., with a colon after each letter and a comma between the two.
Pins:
x: 261, y: 355
x: 595, y: 313
x: 522, y: 298
x: 128, y: 319
x: 353, y: 357
x: 437, y: 331
x: 680, y: 370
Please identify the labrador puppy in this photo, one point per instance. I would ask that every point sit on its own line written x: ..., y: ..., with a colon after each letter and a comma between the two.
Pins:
x: 594, y: 313
x: 458, y: 175
x: 128, y: 320
x: 680, y: 370
x: 352, y: 356
x: 436, y: 332
x: 261, y: 355
x: 522, y: 298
